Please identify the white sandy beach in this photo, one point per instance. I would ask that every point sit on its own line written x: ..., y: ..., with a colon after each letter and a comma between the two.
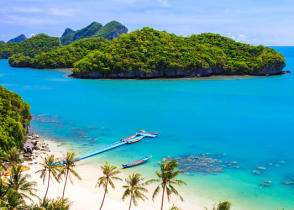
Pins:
x: 85, y: 195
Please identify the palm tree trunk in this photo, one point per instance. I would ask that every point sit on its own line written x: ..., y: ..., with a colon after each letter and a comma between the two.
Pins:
x: 163, y: 191
x: 65, y: 184
x: 130, y: 203
x: 49, y: 176
x: 103, y: 198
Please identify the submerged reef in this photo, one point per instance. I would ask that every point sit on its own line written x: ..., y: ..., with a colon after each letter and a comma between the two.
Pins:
x: 205, y: 163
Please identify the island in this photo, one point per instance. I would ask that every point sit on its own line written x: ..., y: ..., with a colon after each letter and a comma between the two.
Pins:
x: 149, y: 53
x: 19, y: 38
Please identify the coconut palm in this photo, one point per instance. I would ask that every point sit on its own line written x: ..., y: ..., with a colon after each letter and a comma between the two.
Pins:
x: 49, y: 170
x: 225, y: 205
x: 14, y: 200
x: 18, y: 182
x: 167, y: 178
x: 67, y: 170
x: 175, y: 208
x: 135, y: 189
x: 59, y: 204
x: 12, y: 156
x: 109, y: 174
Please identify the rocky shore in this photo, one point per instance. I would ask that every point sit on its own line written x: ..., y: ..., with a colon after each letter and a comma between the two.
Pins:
x: 137, y: 74
x: 34, y: 146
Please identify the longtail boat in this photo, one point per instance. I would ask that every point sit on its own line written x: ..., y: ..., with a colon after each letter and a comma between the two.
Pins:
x: 142, y: 131
x: 134, y: 140
x: 129, y: 138
x: 138, y: 162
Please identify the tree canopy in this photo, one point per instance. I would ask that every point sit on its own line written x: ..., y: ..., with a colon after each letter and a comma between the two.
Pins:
x: 63, y: 57
x: 111, y: 30
x: 150, y: 51
x: 14, y: 119
x: 30, y: 47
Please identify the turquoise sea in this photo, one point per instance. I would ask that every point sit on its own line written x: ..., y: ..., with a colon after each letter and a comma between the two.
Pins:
x: 247, y: 119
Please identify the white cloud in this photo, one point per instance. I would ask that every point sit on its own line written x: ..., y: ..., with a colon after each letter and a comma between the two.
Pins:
x: 28, y: 9
x: 163, y: 3
x: 61, y: 12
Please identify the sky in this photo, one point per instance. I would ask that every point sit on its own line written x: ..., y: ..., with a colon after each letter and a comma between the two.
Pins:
x: 267, y: 22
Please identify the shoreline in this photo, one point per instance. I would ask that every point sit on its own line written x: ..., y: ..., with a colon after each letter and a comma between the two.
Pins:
x: 92, y: 196
x: 206, y: 77
x: 68, y: 73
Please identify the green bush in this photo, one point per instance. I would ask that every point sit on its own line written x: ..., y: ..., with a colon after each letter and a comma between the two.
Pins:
x: 14, y: 119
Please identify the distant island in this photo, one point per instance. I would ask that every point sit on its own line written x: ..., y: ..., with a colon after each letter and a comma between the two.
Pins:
x: 110, y: 31
x: 19, y: 38
x: 96, y: 52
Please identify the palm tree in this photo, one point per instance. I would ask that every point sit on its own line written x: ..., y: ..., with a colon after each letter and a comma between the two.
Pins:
x: 18, y: 182
x: 225, y: 205
x: 59, y: 204
x: 135, y: 189
x: 175, y: 208
x: 12, y: 156
x: 14, y: 200
x: 109, y: 174
x: 167, y: 178
x: 67, y: 170
x: 49, y: 170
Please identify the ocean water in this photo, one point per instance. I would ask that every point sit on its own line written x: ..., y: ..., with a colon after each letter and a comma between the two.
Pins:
x: 248, y: 120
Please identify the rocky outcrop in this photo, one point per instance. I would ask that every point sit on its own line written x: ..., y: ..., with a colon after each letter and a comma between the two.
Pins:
x: 34, y: 146
x: 19, y: 38
x: 137, y: 74
x: 67, y: 36
x: 117, y: 32
x: 110, y: 31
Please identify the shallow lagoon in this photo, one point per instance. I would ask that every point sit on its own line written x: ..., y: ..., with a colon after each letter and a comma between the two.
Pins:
x: 248, y: 120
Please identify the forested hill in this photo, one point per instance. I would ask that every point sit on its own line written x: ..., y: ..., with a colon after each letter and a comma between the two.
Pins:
x: 110, y: 31
x: 30, y: 47
x: 62, y: 57
x: 14, y: 119
x: 149, y: 53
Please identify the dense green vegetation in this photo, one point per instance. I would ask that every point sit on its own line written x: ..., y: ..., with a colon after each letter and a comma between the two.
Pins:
x: 70, y: 35
x: 110, y: 31
x: 30, y: 47
x: 88, y: 31
x: 63, y: 57
x: 14, y: 119
x: 150, y: 51
x: 67, y: 37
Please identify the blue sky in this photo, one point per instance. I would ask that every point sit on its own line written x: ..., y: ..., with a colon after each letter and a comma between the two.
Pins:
x: 268, y: 22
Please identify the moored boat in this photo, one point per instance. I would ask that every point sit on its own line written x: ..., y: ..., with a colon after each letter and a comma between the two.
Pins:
x: 142, y: 131
x: 138, y: 162
x: 129, y: 138
x: 134, y: 140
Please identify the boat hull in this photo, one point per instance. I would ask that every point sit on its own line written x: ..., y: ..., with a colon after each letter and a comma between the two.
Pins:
x: 136, y: 163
